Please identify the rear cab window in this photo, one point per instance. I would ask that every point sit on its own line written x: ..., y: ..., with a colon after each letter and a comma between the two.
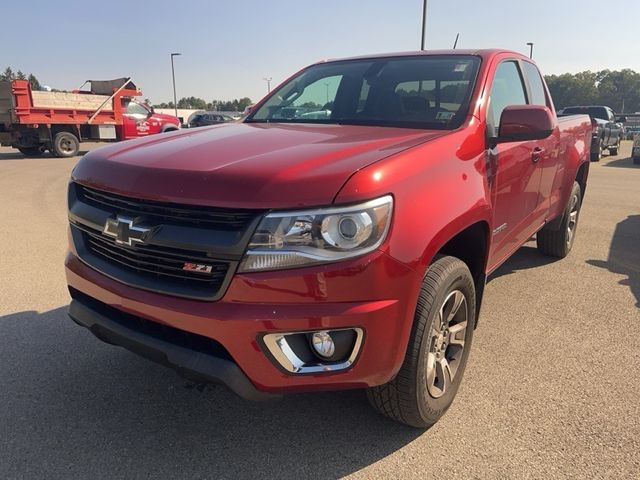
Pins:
x: 536, y: 87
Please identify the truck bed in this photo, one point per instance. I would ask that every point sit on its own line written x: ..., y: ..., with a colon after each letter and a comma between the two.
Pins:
x: 70, y: 101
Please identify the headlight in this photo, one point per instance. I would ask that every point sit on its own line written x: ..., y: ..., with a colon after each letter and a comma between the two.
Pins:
x: 308, y: 237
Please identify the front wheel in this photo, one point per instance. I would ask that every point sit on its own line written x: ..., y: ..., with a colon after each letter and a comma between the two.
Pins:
x: 438, y: 349
x: 557, y: 241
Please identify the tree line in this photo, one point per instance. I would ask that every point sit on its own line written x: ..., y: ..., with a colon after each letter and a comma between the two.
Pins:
x: 195, y: 103
x: 9, y: 74
x: 618, y: 89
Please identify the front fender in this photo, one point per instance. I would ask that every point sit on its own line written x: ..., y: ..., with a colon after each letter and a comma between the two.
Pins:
x: 439, y: 189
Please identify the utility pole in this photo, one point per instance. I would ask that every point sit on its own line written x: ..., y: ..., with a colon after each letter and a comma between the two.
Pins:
x: 268, y: 80
x: 530, y: 49
x: 424, y: 25
x: 173, y: 76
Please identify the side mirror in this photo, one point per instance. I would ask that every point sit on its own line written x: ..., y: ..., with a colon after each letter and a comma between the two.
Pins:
x: 622, y: 119
x: 520, y: 123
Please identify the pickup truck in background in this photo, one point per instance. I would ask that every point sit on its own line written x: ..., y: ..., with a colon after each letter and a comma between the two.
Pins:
x: 287, y: 253
x: 607, y: 132
x: 35, y: 121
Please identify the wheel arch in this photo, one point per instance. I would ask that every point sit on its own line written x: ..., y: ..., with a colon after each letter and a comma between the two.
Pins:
x: 581, y: 177
x: 169, y: 127
x: 471, y: 245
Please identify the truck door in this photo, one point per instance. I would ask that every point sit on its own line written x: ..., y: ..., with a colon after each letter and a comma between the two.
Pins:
x: 516, y: 182
x: 138, y: 121
x: 548, y: 148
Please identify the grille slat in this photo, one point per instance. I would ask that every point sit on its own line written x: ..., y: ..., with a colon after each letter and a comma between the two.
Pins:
x: 144, y: 254
x: 161, y: 267
x: 131, y: 261
x: 198, y: 216
x: 114, y: 258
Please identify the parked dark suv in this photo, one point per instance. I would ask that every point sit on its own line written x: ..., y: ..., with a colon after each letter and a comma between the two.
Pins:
x: 607, y: 132
x: 209, y: 118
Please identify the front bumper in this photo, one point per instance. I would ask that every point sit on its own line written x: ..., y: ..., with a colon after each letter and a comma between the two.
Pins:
x: 375, y: 293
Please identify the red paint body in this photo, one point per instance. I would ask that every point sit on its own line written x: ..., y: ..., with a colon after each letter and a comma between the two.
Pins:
x: 442, y: 183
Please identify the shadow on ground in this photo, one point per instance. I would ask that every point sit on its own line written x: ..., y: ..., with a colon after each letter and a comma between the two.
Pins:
x: 73, y: 407
x: 524, y: 258
x: 624, y: 254
x: 16, y: 155
x: 622, y: 163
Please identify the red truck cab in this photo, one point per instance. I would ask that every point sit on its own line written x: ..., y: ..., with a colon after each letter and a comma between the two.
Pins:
x: 339, y: 237
x: 141, y: 120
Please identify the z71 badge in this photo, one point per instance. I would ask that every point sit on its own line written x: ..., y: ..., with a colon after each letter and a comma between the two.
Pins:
x: 197, y: 267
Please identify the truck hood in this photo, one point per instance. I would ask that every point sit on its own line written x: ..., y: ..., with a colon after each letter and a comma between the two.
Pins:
x: 167, y: 118
x: 244, y: 165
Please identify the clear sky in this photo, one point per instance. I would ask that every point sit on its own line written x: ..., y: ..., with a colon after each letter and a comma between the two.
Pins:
x: 228, y: 46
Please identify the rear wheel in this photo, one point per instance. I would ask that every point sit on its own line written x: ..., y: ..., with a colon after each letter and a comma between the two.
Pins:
x: 438, y: 349
x: 557, y: 242
x: 616, y: 149
x: 596, y: 153
x: 65, y: 144
x: 30, y: 151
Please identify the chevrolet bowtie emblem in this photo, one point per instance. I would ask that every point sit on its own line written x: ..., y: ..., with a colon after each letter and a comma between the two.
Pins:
x: 124, y: 231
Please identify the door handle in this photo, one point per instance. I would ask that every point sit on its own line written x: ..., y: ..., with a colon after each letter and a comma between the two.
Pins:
x: 536, y: 155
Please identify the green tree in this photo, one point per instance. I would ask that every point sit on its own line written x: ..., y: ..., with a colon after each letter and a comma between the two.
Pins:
x: 33, y: 82
x: 20, y: 75
x: 8, y: 74
x: 192, y: 103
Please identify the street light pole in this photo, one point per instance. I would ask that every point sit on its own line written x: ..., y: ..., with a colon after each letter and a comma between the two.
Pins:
x: 530, y: 49
x: 268, y: 80
x: 424, y: 24
x: 173, y: 76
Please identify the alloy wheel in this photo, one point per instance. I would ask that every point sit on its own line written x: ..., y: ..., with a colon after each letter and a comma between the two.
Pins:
x: 447, y: 343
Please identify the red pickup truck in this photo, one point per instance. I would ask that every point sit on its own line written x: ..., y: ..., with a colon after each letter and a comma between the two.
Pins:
x: 339, y: 237
x: 34, y: 121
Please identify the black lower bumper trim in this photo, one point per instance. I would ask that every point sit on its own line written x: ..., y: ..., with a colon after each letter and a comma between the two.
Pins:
x: 189, y: 363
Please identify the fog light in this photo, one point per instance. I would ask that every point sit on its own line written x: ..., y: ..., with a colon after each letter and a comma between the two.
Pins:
x: 323, y: 344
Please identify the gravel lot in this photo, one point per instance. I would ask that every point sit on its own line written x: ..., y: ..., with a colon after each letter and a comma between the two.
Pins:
x: 552, y: 388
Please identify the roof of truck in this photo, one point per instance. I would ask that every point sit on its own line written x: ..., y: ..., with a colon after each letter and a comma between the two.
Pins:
x: 485, y: 53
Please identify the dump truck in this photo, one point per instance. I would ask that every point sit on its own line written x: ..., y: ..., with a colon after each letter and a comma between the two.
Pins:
x: 34, y: 121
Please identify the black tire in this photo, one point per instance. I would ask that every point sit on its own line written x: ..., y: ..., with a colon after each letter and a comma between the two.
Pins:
x: 616, y: 149
x: 65, y: 145
x: 596, y: 154
x: 555, y: 240
x: 30, y: 151
x: 408, y: 398
x: 636, y: 160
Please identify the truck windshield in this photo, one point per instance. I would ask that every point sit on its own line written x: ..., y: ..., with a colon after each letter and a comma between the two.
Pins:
x: 415, y: 92
x: 593, y: 112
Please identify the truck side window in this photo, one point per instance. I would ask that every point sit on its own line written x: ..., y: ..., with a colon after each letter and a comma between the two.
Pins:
x: 134, y: 108
x: 507, y: 89
x: 538, y: 96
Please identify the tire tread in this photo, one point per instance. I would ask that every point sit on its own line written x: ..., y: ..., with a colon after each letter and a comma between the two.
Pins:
x: 397, y: 398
